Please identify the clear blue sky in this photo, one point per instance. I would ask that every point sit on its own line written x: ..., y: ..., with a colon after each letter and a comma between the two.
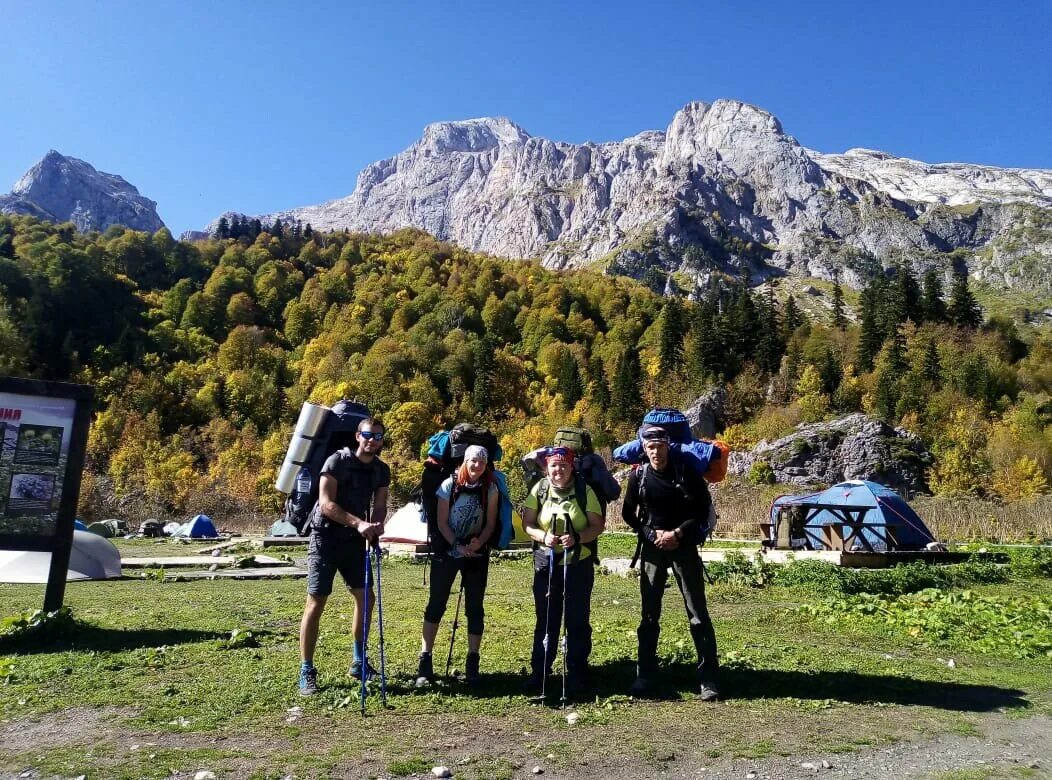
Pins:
x: 258, y: 106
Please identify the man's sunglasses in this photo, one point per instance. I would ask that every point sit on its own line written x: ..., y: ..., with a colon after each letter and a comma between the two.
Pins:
x: 367, y: 435
x: 562, y: 452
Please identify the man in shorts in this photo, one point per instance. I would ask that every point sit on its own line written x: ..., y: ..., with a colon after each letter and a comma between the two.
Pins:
x: 349, y: 515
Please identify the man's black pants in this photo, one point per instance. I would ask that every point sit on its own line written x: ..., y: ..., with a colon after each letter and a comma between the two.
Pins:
x: 686, y: 566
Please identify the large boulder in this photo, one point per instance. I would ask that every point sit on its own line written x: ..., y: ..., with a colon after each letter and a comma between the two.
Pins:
x: 706, y: 415
x: 851, y: 447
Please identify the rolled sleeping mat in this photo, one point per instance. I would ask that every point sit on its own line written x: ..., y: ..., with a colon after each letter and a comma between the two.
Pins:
x: 310, y: 423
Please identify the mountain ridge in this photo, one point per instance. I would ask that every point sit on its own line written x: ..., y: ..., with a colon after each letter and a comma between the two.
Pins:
x: 723, y: 189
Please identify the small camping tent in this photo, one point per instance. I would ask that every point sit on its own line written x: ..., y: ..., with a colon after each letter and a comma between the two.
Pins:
x: 408, y: 526
x: 92, y: 558
x: 865, y: 515
x: 200, y: 527
x: 282, y: 527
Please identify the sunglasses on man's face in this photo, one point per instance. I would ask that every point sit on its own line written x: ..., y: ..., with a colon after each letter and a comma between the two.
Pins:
x: 561, y: 452
x: 367, y: 435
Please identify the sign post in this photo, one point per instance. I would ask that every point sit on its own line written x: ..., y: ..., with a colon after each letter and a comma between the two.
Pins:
x: 43, y: 439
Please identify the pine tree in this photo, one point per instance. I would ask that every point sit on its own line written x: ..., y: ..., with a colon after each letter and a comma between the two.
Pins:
x: 223, y: 228
x: 964, y: 310
x: 870, y: 337
x: 839, y: 317
x: 933, y: 308
x: 905, y: 295
x: 769, y: 341
x: 792, y: 319
x: 277, y: 230
x: 671, y: 329
x: 931, y: 369
x: 830, y: 371
x: 625, y: 398
x: 569, y: 379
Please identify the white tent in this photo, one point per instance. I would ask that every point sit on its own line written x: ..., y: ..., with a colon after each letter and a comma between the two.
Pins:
x: 406, y: 526
x: 92, y: 558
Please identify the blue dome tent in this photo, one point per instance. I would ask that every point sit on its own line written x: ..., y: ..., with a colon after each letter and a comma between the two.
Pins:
x: 855, y: 515
x: 200, y: 527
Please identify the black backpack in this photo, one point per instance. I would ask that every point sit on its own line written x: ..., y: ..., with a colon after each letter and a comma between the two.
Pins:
x: 337, y: 432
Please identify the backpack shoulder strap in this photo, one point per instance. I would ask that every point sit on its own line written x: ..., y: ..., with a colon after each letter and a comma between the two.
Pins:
x: 581, y: 492
x: 642, y: 476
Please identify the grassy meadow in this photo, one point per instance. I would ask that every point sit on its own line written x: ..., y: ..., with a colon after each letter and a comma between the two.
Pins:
x: 154, y: 678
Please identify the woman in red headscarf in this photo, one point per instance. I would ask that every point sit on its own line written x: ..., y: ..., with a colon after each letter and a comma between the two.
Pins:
x: 564, y: 519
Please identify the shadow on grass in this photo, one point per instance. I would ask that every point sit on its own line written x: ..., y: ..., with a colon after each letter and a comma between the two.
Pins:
x: 852, y: 687
x: 84, y: 636
x: 615, y: 677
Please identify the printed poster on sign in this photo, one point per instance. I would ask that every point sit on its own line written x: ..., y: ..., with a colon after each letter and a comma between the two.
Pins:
x: 34, y: 447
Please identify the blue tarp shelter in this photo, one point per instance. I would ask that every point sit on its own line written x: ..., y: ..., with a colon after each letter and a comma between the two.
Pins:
x: 200, y: 527
x: 864, y: 515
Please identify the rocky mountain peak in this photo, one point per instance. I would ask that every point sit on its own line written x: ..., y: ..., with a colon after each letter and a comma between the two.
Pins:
x: 472, y: 135
x: 64, y: 189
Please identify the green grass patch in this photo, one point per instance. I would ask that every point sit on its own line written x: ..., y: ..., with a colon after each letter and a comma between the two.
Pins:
x: 211, y: 666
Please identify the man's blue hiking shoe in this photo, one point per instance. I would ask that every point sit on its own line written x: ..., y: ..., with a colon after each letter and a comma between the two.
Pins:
x: 308, y: 681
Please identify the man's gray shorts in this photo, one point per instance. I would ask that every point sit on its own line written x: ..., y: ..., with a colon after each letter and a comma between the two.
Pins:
x: 329, y: 553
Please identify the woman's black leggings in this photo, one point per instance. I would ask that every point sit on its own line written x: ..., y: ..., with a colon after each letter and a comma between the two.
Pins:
x: 473, y: 573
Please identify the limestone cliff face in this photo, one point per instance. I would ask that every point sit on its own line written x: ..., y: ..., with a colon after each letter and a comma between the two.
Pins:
x: 65, y: 189
x: 722, y: 188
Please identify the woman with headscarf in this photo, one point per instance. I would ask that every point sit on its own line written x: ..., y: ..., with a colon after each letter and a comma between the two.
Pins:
x: 564, y: 519
x: 467, y: 517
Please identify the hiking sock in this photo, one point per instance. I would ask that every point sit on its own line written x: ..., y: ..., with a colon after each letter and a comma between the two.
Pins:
x: 305, y: 665
x: 359, y: 651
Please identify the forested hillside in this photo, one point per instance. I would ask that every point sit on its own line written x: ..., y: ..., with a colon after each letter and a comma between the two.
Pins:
x: 202, y: 353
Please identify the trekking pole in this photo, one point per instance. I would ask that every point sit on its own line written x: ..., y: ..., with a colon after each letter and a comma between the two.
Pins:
x: 380, y: 624
x: 547, y: 622
x: 365, y: 631
x: 456, y: 622
x: 562, y: 639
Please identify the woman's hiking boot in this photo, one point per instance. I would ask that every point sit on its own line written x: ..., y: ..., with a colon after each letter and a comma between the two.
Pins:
x: 708, y: 691
x: 425, y: 671
x: 471, y: 669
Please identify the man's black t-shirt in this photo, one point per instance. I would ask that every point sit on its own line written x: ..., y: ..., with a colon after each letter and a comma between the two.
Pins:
x: 670, y: 505
x: 355, y: 484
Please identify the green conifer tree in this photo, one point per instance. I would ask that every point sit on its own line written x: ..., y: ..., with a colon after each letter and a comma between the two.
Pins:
x: 839, y: 316
x: 625, y: 397
x: 964, y: 310
x: 933, y: 308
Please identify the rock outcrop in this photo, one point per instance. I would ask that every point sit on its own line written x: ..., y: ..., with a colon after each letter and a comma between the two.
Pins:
x: 722, y: 188
x: 851, y: 447
x: 65, y: 189
x: 707, y: 414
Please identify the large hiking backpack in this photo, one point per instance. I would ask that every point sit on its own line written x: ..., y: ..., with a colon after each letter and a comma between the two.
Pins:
x: 589, y: 470
x: 445, y: 453
x: 708, y: 458
x: 335, y: 431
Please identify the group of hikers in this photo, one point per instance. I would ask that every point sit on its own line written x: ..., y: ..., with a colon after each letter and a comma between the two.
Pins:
x: 667, y: 505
